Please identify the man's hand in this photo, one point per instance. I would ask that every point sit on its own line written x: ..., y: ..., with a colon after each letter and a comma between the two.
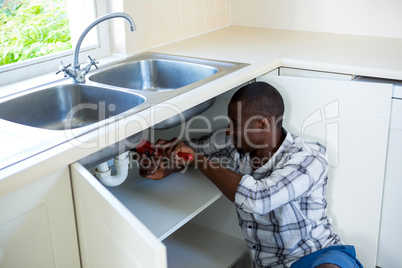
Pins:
x: 158, y: 167
x: 152, y: 167
x: 225, y: 179
x: 172, y: 148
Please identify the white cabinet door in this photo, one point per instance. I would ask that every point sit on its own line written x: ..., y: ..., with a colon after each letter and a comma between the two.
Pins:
x: 351, y: 119
x: 37, y: 225
x: 109, y: 234
x: 390, y: 248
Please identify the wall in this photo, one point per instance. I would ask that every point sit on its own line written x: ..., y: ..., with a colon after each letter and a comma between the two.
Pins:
x: 359, y: 17
x: 163, y: 21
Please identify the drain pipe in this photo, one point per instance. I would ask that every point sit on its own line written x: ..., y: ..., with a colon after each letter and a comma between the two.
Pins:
x: 104, y: 174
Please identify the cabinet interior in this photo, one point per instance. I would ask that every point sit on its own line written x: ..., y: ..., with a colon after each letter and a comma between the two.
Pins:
x: 185, y: 211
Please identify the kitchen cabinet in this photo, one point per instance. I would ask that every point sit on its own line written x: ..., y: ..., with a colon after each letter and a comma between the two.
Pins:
x: 37, y: 226
x: 172, y: 220
x: 389, y: 251
x: 389, y: 246
x: 180, y: 221
x: 110, y: 236
x: 145, y: 223
x: 351, y: 118
x: 183, y: 220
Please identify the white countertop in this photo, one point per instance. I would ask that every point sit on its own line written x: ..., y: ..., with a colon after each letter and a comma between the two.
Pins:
x: 361, y: 55
x: 263, y: 49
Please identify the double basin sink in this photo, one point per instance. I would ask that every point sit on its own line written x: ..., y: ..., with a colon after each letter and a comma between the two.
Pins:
x: 117, y: 90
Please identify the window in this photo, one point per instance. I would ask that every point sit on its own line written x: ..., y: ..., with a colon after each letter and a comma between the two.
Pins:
x: 31, y: 29
x: 80, y: 14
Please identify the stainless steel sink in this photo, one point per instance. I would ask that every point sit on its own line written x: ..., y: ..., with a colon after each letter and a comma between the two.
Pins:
x: 161, y: 72
x: 109, y: 94
x: 154, y: 74
x: 67, y: 106
x: 114, y: 90
x: 165, y: 76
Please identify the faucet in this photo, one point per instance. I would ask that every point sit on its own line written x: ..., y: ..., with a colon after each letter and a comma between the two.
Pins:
x: 78, y: 74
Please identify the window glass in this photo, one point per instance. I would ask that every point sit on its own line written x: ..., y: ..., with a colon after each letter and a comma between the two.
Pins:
x: 32, y: 28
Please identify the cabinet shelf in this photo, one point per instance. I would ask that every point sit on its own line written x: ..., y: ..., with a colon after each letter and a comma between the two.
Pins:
x: 199, y: 247
x: 165, y: 205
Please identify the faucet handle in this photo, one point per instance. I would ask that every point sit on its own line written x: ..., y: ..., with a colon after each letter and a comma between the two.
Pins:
x: 63, y: 68
x: 93, y: 61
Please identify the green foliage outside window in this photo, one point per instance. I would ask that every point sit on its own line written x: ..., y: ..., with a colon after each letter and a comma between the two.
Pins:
x: 32, y: 28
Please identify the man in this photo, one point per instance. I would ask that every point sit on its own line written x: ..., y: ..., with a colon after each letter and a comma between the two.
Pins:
x: 276, y: 181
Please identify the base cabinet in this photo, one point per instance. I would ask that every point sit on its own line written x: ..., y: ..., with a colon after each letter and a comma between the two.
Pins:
x: 110, y: 235
x: 389, y: 251
x: 145, y: 223
x: 183, y: 220
x: 37, y: 226
x: 179, y: 221
x: 197, y: 246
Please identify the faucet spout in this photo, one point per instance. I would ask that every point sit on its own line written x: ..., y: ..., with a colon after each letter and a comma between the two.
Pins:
x: 78, y: 74
x: 76, y: 64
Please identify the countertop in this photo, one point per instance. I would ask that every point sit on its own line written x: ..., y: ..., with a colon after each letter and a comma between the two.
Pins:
x: 263, y: 49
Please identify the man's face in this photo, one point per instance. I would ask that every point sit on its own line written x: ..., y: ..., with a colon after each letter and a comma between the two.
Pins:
x: 246, y: 132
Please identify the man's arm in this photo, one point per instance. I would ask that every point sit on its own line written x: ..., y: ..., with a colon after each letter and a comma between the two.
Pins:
x: 294, y: 179
x: 225, y: 179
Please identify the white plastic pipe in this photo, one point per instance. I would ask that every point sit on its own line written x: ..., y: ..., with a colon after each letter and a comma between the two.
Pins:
x: 104, y: 174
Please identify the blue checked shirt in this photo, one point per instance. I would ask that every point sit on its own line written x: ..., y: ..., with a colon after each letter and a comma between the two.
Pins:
x: 281, y: 206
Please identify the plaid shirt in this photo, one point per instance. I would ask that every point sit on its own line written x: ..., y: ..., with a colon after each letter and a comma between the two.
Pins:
x: 281, y: 206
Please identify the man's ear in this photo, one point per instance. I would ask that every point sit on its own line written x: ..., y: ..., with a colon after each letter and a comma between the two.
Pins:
x: 265, y: 124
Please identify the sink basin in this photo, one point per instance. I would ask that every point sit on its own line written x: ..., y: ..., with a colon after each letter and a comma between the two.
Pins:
x: 161, y: 72
x: 67, y: 106
x: 154, y: 75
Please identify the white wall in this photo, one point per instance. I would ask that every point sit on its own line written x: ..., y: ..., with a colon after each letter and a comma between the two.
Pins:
x: 163, y: 21
x: 359, y: 17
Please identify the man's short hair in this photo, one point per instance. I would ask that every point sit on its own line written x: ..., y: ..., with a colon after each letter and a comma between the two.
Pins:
x: 260, y: 99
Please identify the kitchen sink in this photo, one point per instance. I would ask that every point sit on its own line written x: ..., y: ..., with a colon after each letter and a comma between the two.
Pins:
x: 113, y: 92
x: 161, y: 72
x: 154, y: 75
x: 67, y: 106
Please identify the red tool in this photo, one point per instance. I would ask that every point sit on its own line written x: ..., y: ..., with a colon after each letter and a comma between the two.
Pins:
x: 147, y: 148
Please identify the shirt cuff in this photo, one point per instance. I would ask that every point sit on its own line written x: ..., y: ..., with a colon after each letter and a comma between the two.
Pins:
x: 243, y: 190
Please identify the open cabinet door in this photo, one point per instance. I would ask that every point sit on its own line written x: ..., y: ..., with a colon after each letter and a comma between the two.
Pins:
x: 109, y: 234
x: 351, y: 119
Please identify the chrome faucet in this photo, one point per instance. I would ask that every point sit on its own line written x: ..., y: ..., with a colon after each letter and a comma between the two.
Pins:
x: 78, y: 74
